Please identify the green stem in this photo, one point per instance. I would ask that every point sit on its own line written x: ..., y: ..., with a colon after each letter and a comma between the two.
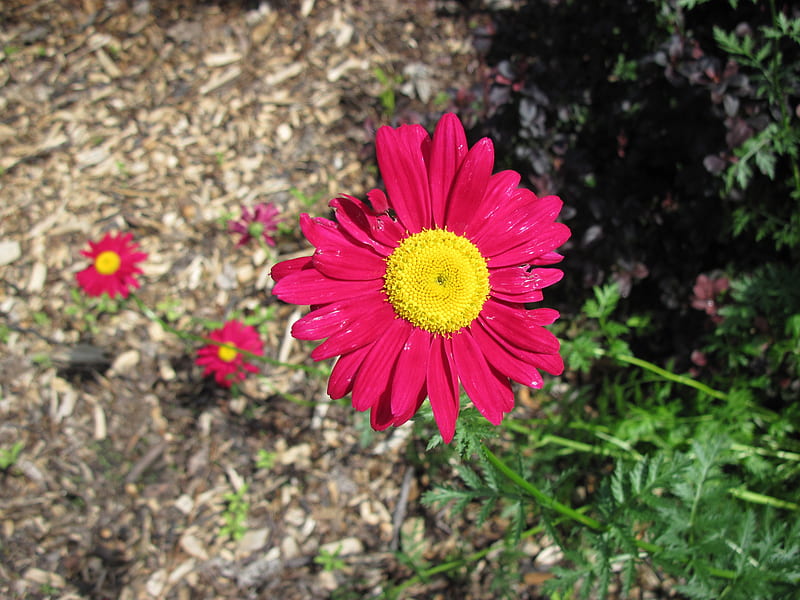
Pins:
x: 569, y: 444
x: 572, y: 444
x: 750, y: 450
x: 290, y: 397
x: 696, y: 501
x: 191, y: 337
x: 681, y: 379
x: 741, y: 493
x: 554, y: 504
x: 756, y: 498
x: 540, y: 496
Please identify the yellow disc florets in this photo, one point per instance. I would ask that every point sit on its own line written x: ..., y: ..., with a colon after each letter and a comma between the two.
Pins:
x: 226, y: 354
x: 107, y: 262
x: 437, y: 280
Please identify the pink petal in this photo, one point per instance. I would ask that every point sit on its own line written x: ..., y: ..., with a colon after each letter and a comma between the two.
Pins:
x: 387, y: 231
x: 398, y: 420
x: 443, y: 386
x: 521, y: 284
x: 121, y: 289
x: 542, y: 316
x: 516, y: 204
x: 379, y: 201
x: 510, y: 365
x: 86, y: 280
x: 499, y: 196
x: 548, y: 258
x: 379, y: 232
x: 489, y: 390
x: 449, y: 147
x: 337, y: 254
x: 372, y: 379
x: 531, y: 296
x: 344, y: 372
x: 469, y: 186
x: 402, y: 164
x: 544, y: 239
x: 287, y: 267
x: 332, y: 318
x: 409, y: 374
x: 552, y: 363
x: 250, y: 368
x: 134, y: 257
x: 359, y: 332
x: 349, y: 262
x: 380, y: 417
x: 309, y: 286
x: 318, y: 230
x: 519, y: 226
x: 352, y: 216
x: 518, y: 326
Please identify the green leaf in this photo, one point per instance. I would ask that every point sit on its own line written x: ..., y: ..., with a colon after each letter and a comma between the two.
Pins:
x: 765, y: 161
x: 9, y: 456
x: 470, y: 477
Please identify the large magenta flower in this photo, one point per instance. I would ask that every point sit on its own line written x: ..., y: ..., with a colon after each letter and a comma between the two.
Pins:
x: 114, y: 267
x: 426, y: 289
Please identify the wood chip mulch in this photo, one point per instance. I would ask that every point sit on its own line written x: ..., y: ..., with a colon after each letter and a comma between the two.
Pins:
x: 162, y: 118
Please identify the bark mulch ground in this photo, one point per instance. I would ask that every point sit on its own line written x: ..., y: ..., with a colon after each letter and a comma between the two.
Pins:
x: 161, y: 118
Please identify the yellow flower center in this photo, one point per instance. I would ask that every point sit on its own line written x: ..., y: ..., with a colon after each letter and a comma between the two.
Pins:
x: 107, y: 262
x: 226, y: 354
x: 437, y: 280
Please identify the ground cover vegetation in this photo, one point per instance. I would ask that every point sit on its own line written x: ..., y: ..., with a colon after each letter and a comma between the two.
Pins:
x: 674, y: 126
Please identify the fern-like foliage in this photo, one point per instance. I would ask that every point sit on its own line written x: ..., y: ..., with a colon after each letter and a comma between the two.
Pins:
x: 769, y: 56
x: 760, y: 330
x: 475, y: 488
x: 675, y: 514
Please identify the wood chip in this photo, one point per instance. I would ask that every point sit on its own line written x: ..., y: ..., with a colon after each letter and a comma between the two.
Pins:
x: 10, y: 250
x: 108, y: 64
x: 125, y: 363
x: 349, y: 546
x: 220, y: 59
x: 100, y: 425
x: 193, y: 546
x: 44, y: 578
x: 218, y: 80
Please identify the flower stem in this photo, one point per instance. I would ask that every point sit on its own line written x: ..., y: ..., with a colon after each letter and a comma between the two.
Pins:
x: 191, y: 337
x: 756, y: 498
x: 668, y: 375
x: 555, y: 505
x: 540, y: 496
x: 575, y: 515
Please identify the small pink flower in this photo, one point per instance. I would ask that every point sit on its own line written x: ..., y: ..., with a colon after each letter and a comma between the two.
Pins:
x: 262, y: 222
x: 114, y: 268
x: 705, y: 293
x: 226, y: 362
x: 425, y: 290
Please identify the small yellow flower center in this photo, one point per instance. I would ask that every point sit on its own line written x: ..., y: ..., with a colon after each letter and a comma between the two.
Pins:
x: 107, y: 262
x: 226, y: 354
x: 437, y: 280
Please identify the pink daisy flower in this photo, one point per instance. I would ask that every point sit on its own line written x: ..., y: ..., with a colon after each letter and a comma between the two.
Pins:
x: 425, y: 291
x: 114, y: 268
x: 706, y: 290
x: 226, y: 362
x: 262, y: 222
